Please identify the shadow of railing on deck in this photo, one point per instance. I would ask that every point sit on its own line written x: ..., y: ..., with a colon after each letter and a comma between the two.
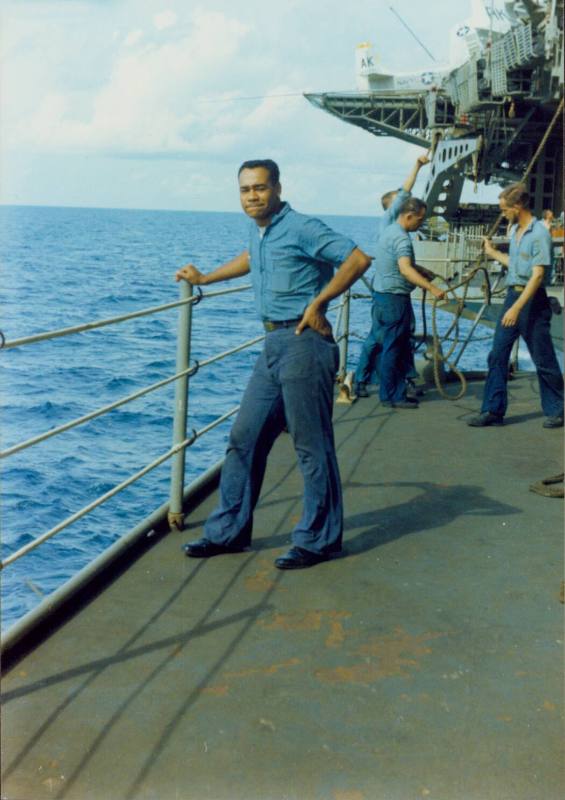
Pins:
x: 94, y: 669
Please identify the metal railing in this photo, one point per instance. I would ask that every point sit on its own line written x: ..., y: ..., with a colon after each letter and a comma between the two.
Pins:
x: 184, y: 371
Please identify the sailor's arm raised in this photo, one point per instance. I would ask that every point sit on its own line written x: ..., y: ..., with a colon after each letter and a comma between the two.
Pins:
x: 235, y: 268
x: 408, y: 184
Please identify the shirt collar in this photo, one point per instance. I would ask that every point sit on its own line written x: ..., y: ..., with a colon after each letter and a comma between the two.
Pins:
x: 528, y: 227
x: 282, y: 212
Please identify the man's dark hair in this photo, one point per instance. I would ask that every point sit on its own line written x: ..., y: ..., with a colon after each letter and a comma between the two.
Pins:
x: 413, y: 205
x: 266, y: 163
x: 516, y: 195
x: 387, y: 199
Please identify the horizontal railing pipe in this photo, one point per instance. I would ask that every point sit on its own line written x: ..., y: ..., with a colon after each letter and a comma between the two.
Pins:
x: 134, y: 396
x: 220, y: 292
x: 90, y: 326
x: 226, y: 353
x: 93, y: 414
x: 123, y: 485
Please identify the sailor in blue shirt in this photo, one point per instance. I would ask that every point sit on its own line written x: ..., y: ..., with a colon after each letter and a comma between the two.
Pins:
x: 291, y: 258
x: 526, y: 312
x: 391, y: 202
x: 396, y: 275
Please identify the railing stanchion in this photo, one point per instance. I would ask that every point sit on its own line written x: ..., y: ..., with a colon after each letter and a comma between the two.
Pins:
x: 175, y: 515
x: 345, y: 388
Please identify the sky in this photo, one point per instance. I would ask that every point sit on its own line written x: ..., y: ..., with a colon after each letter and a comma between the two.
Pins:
x: 154, y: 103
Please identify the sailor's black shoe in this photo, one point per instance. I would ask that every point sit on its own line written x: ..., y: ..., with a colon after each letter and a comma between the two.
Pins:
x: 409, y: 403
x: 413, y: 391
x: 299, y: 558
x: 485, y: 419
x: 361, y: 390
x: 553, y: 422
x: 204, y: 548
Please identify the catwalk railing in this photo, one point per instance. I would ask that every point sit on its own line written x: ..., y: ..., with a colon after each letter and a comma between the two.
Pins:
x: 184, y: 372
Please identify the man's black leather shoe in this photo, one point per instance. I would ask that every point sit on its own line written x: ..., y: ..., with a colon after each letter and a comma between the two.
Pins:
x: 485, y: 419
x: 406, y: 404
x: 298, y: 558
x: 204, y: 548
x: 553, y: 422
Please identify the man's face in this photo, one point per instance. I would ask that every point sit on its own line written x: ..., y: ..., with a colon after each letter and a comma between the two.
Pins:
x: 414, y: 221
x: 259, y: 198
x: 511, y: 213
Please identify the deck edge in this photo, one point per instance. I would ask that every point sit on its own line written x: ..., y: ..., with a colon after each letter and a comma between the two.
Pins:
x: 39, y: 623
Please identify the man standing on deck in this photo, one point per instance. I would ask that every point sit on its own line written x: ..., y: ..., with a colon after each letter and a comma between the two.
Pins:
x: 391, y: 202
x: 291, y: 258
x: 396, y: 276
x: 526, y: 312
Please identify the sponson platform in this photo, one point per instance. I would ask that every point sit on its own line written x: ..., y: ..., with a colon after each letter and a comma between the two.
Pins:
x: 424, y: 663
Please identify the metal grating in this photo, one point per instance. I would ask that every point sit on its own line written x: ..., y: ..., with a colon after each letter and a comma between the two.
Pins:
x: 498, y: 70
x: 473, y: 43
x: 452, y: 89
x: 524, y: 43
x: 510, y: 51
x: 467, y: 88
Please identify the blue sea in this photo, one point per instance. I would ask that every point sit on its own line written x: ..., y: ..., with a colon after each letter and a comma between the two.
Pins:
x: 66, y: 266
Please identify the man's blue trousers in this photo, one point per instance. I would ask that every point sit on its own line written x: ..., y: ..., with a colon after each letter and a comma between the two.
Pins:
x: 293, y: 382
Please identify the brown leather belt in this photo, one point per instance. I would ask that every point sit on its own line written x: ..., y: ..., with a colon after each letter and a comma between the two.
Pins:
x: 284, y: 323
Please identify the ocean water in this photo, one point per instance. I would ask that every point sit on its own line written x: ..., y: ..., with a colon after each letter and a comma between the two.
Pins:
x: 66, y: 266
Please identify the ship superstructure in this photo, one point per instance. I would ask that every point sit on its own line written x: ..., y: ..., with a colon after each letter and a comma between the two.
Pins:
x: 482, y: 116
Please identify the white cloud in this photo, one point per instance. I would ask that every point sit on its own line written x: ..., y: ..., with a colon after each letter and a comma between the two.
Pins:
x: 147, y: 105
x: 165, y: 19
x: 133, y: 37
x: 165, y: 80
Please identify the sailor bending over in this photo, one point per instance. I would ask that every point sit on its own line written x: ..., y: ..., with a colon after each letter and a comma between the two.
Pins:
x: 396, y: 276
x: 526, y: 312
x: 291, y: 258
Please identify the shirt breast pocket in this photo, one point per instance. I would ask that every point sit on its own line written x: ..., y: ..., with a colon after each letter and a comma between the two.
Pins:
x: 283, y: 277
x: 524, y: 266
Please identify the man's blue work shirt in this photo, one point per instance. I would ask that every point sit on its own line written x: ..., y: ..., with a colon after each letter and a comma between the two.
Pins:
x: 292, y: 262
x: 394, y: 243
x: 535, y: 249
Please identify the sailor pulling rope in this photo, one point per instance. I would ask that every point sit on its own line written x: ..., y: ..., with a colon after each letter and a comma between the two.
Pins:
x: 438, y: 357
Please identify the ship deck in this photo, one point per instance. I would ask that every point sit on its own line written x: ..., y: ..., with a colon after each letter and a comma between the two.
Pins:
x: 424, y: 663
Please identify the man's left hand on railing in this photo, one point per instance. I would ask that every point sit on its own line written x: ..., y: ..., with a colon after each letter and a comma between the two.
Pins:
x: 191, y: 274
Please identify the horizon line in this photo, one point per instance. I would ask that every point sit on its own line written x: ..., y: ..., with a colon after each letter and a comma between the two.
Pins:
x: 165, y: 210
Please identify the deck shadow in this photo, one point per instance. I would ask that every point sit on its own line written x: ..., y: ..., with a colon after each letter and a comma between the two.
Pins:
x: 436, y: 507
